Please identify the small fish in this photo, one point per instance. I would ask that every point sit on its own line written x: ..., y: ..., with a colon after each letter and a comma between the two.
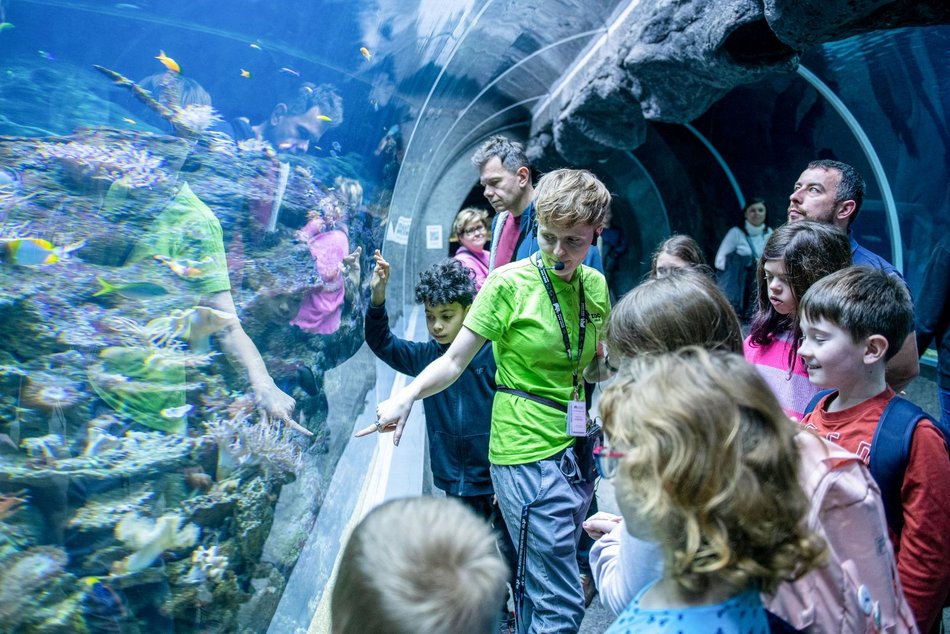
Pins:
x: 6, y: 26
x: 177, y: 412
x: 365, y: 52
x: 289, y: 71
x: 129, y: 121
x: 245, y: 74
x: 255, y: 46
x: 169, y: 63
x: 324, y: 117
x: 102, y: 607
x: 375, y: 104
x: 188, y: 269
x: 132, y: 290
x: 37, y: 252
x: 127, y: 6
x: 49, y: 57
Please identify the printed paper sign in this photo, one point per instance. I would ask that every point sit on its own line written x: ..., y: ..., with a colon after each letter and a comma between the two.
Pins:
x: 433, y: 236
x: 399, y: 233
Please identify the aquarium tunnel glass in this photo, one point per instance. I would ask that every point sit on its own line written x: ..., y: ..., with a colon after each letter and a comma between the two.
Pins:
x: 191, y: 195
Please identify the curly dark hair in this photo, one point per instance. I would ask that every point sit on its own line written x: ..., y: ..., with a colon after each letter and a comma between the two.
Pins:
x: 446, y: 282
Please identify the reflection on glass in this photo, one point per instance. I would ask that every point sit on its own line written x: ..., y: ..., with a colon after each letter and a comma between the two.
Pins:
x: 184, y: 264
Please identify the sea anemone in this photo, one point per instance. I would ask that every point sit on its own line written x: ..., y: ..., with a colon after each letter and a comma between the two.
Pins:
x: 196, y: 117
x: 50, y: 393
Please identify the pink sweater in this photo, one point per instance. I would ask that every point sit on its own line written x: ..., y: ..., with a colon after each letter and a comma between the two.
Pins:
x: 477, y: 262
x: 792, y: 389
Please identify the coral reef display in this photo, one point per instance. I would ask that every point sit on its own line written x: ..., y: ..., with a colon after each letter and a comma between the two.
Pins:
x: 138, y: 480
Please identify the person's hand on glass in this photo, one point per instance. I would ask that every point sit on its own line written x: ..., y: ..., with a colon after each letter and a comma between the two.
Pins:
x: 351, y: 266
x: 274, y: 403
x: 379, y: 280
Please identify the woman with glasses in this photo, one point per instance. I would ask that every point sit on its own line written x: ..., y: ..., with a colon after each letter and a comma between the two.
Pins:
x: 471, y: 230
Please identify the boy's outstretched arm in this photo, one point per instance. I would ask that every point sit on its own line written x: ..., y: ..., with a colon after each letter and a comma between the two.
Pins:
x: 438, y: 375
x: 407, y: 357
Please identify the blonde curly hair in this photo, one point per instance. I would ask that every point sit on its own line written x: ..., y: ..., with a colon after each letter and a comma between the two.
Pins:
x: 711, y: 466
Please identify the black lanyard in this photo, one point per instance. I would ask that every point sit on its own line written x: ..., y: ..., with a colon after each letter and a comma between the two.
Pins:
x: 582, y: 327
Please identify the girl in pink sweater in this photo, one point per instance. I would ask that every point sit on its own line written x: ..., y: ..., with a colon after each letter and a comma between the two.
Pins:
x: 796, y: 256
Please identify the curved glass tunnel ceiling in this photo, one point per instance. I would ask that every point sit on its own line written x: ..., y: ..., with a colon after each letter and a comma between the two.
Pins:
x: 125, y: 405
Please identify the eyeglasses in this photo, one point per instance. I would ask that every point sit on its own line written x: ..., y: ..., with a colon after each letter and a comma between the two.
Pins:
x: 472, y: 231
x: 607, y: 460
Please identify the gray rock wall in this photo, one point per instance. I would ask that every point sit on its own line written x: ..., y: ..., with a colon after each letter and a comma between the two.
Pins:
x: 671, y: 60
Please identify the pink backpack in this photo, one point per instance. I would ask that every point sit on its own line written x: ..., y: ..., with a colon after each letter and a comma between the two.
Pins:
x: 857, y: 590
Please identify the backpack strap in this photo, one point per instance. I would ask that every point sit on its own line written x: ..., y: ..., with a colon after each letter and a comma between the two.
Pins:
x: 813, y: 403
x: 890, y: 452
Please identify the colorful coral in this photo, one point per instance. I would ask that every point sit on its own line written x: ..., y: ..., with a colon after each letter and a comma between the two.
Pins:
x: 120, y: 162
x: 264, y: 444
x: 149, y: 538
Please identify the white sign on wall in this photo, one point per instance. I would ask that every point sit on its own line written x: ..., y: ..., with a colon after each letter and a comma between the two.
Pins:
x: 399, y: 233
x: 433, y: 236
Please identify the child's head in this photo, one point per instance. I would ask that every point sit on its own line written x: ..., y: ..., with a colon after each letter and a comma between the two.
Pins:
x: 565, y: 198
x: 664, y: 314
x: 709, y: 470
x: 571, y: 206
x: 677, y: 252
x: 796, y: 256
x: 447, y: 290
x: 421, y: 564
x: 851, y: 319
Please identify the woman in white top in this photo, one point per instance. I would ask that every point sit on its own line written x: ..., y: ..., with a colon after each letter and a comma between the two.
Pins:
x: 749, y: 239
x: 738, y: 253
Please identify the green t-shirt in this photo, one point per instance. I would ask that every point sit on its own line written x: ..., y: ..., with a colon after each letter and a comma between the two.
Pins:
x: 513, y: 310
x: 185, y: 231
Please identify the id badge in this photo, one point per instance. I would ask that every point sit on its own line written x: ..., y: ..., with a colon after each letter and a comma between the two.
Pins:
x: 576, y: 419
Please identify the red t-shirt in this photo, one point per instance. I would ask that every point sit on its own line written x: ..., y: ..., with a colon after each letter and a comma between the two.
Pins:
x: 923, y: 547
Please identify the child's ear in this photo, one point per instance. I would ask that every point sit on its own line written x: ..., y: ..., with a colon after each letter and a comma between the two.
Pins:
x: 876, y: 349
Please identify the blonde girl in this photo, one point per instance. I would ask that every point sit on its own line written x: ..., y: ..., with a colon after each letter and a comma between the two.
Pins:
x: 706, y: 467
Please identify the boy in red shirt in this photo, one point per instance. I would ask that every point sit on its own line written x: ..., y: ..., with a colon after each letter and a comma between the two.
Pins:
x: 852, y: 322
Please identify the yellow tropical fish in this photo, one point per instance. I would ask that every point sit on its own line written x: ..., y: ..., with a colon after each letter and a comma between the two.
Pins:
x: 37, y: 252
x: 324, y: 117
x: 6, y: 26
x: 245, y: 73
x: 365, y: 52
x: 169, y: 63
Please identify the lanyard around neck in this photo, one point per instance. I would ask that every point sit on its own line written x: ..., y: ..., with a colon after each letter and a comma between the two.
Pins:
x: 582, y: 322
